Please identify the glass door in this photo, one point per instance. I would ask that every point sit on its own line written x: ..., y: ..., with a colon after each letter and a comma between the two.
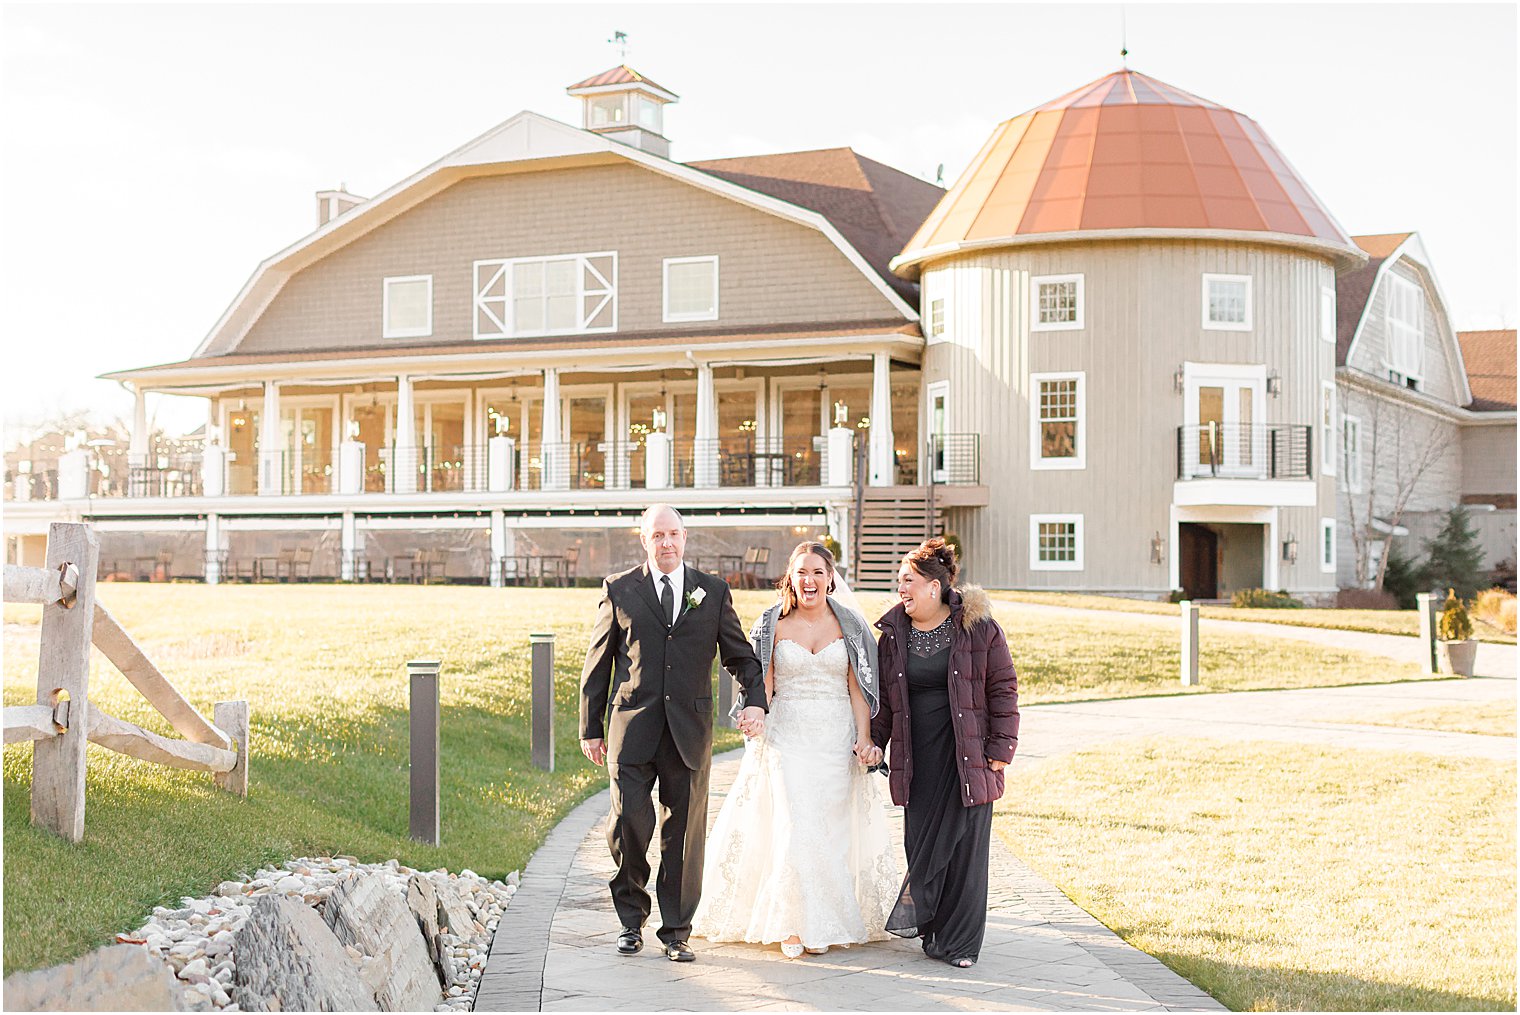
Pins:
x: 939, y: 410
x: 1225, y: 426
x: 440, y: 432
x: 585, y: 428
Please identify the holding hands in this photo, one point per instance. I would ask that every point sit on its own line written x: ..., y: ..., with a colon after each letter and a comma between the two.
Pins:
x: 866, y: 752
x: 752, y: 722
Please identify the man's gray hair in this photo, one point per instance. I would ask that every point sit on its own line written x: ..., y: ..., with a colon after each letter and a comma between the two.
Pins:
x: 646, y: 520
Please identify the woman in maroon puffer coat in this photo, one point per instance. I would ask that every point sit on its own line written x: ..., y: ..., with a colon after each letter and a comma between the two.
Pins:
x: 950, y: 713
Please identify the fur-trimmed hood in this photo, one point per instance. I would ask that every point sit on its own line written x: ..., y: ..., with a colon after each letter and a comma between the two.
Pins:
x: 975, y: 606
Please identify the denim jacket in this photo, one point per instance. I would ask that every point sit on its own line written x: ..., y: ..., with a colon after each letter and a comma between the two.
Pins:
x: 859, y: 645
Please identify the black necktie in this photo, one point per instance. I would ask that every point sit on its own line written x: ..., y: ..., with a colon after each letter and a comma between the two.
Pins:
x: 668, y: 600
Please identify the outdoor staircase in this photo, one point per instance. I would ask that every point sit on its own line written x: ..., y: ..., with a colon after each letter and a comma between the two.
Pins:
x: 892, y: 520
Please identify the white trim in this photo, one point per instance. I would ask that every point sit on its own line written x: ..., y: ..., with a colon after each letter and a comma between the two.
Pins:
x: 1326, y: 420
x: 501, y: 274
x: 934, y: 390
x: 385, y: 309
x: 1327, y: 545
x: 1352, y: 460
x: 1212, y: 325
x: 666, y: 315
x: 1327, y: 312
x: 1348, y: 253
x: 624, y: 86
x: 526, y: 137
x: 1036, y: 446
x: 1035, y: 323
x: 1035, y: 521
x: 1262, y: 493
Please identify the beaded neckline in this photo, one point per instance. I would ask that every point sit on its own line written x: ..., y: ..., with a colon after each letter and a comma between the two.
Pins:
x: 927, y: 643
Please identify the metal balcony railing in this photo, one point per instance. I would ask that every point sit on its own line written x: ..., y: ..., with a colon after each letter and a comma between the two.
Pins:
x: 955, y: 459
x: 1245, y: 451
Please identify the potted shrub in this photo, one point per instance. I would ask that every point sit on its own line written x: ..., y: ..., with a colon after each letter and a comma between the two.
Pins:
x: 1456, y: 651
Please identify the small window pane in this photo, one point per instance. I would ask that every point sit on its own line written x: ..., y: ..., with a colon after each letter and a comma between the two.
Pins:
x: 1227, y: 301
x: 1058, y: 418
x: 693, y: 288
x: 1058, y: 302
x: 607, y: 111
x: 1058, y: 542
x: 936, y: 318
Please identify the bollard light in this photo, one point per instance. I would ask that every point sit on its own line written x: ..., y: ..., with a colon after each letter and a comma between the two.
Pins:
x: 422, y: 676
x: 543, y: 700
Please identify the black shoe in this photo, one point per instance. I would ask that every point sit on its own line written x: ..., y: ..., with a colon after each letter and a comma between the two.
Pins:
x: 630, y: 942
x: 680, y: 951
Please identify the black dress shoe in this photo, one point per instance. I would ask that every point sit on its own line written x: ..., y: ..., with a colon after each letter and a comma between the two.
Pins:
x: 680, y: 951
x: 630, y: 941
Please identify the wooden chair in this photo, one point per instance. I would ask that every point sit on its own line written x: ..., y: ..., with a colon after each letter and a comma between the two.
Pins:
x: 295, y: 565
x: 562, y: 568
x: 751, y: 574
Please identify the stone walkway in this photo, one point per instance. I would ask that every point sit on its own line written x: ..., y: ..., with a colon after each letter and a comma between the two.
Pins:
x: 554, y: 950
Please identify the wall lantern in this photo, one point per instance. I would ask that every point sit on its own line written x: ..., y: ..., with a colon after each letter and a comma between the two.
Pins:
x: 352, y: 428
x: 659, y: 419
x: 1290, y: 549
x: 1158, y: 549
x: 841, y: 413
x: 1179, y: 380
x: 1274, y: 384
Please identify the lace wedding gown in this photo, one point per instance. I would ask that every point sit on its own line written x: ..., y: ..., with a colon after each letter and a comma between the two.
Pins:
x: 801, y: 845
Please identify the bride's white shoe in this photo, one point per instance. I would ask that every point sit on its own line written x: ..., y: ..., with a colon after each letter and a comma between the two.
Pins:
x: 817, y: 951
x: 792, y: 951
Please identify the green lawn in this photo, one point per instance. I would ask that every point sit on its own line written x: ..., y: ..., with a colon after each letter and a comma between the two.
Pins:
x: 1287, y: 879
x: 322, y: 668
x: 1494, y: 719
x: 1404, y: 622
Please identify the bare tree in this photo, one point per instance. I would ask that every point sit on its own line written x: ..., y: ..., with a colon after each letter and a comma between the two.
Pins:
x: 1396, y: 449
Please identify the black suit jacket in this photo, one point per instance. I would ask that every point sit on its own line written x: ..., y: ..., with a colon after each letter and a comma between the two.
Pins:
x: 651, y: 676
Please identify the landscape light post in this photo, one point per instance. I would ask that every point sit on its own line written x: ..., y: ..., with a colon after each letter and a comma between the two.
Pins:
x: 422, y: 675
x: 1189, y: 643
x: 543, y: 700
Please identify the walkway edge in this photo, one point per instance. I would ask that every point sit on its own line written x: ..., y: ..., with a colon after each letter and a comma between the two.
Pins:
x: 513, y: 979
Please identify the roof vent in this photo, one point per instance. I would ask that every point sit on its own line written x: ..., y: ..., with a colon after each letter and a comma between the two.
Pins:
x: 624, y: 105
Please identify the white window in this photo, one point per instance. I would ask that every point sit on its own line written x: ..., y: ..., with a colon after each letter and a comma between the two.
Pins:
x: 936, y: 319
x: 1327, y: 315
x: 408, y: 306
x: 1351, y: 452
x: 565, y: 294
x: 1057, y: 302
x: 691, y: 288
x: 607, y: 111
x: 1327, y: 545
x: 648, y: 113
x: 1227, y: 302
x: 1404, y: 310
x: 1058, y: 431
x: 1055, y: 542
x: 1327, y: 452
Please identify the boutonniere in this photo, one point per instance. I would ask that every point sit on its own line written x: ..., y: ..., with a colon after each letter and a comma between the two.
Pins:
x: 694, y: 598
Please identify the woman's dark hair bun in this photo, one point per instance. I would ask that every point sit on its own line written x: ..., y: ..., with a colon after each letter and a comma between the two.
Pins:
x: 935, y: 560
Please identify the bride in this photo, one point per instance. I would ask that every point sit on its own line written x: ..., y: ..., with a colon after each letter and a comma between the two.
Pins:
x: 799, y: 854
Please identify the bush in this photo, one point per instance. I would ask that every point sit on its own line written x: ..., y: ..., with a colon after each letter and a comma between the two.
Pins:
x: 1496, y: 607
x: 832, y: 545
x: 1261, y: 599
x: 1452, y: 624
x: 1402, y: 579
x: 1503, y: 575
x: 954, y: 542
x: 1453, y: 558
x: 1366, y: 599
x: 1177, y: 596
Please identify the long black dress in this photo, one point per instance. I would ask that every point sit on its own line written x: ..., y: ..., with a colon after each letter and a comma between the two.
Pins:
x: 944, y: 897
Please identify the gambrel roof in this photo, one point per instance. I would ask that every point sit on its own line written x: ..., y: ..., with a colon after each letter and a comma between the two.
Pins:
x: 528, y: 142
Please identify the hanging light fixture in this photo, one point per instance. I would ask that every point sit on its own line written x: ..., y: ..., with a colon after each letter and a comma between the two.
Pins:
x: 1290, y: 549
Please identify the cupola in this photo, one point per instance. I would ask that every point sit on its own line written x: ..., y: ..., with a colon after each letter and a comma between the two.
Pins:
x: 624, y: 105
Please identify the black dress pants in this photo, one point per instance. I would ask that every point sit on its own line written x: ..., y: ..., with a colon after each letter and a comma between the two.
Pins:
x: 683, y: 839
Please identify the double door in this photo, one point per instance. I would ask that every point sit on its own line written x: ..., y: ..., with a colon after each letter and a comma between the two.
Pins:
x: 1225, y: 433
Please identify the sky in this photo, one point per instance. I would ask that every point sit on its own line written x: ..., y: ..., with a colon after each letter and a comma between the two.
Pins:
x: 152, y: 156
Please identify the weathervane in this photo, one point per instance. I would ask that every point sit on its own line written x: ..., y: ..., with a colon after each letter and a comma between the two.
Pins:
x: 620, y: 40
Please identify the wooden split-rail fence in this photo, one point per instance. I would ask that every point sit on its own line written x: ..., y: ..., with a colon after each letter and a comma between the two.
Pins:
x: 64, y: 717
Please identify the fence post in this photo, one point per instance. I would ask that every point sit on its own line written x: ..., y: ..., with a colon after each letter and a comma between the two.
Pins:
x: 543, y: 700
x: 1189, y: 643
x: 58, y: 762
x: 1426, y: 606
x: 423, y: 678
x: 231, y: 717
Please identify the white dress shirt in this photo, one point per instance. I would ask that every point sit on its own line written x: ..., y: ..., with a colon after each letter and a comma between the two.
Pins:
x: 677, y: 584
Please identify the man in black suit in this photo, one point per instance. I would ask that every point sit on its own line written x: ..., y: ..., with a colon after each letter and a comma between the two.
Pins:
x: 657, y: 629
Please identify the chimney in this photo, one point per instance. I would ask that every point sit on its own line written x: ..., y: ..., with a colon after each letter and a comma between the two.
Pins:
x: 624, y: 105
x: 332, y: 203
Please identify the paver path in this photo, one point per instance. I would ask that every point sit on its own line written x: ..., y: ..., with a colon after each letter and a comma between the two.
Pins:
x: 554, y: 950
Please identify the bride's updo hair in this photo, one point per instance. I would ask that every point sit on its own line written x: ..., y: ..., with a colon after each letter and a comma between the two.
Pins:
x: 935, y: 560
x: 784, y: 583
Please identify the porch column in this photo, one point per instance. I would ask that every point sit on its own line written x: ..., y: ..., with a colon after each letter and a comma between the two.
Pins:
x: 404, y: 448
x: 137, y: 446
x: 552, y: 455
x: 213, y: 548
x: 270, y: 451
x: 705, y: 452
x: 213, y: 458
x: 883, y: 458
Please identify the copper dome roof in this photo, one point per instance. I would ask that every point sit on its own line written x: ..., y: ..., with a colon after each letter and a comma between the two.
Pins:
x: 1130, y: 155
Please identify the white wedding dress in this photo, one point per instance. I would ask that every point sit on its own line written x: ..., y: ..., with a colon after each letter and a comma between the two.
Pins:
x: 801, y: 845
